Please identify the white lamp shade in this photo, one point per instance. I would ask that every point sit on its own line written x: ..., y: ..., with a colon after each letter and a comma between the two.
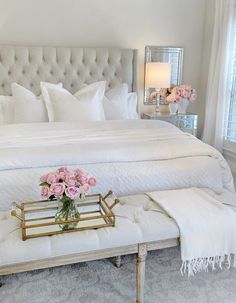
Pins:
x: 158, y: 75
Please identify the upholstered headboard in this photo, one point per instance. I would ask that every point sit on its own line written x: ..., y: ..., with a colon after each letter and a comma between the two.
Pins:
x: 71, y: 66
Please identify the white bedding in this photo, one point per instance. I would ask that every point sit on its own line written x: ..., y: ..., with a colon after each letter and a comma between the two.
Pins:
x: 129, y: 156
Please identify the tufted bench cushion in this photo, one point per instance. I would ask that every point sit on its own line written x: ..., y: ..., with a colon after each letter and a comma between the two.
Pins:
x: 138, y: 220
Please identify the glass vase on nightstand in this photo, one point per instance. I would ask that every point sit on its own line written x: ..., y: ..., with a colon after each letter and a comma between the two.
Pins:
x: 173, y: 107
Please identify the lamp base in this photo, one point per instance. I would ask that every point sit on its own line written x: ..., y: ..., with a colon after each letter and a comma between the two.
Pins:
x: 158, y: 90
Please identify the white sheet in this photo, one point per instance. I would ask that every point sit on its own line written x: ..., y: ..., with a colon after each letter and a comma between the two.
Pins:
x: 127, y: 156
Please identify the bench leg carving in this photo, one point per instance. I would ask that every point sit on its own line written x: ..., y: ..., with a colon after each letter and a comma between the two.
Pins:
x: 118, y: 261
x: 140, y: 272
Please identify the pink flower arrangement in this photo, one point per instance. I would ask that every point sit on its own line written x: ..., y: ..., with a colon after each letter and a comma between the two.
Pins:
x: 183, y: 91
x: 66, y: 182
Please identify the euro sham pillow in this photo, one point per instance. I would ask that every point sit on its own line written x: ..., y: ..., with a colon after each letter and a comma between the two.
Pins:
x: 7, y: 109
x: 115, y: 103
x: 84, y: 105
x: 119, y: 104
x: 132, y: 103
x: 28, y: 108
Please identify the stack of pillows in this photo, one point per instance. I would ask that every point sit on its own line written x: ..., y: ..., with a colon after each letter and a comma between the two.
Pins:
x: 56, y: 104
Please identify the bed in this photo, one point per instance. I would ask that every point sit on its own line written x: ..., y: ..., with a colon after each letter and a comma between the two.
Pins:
x: 127, y: 156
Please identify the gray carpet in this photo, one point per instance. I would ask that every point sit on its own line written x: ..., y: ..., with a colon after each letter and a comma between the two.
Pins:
x: 101, y: 282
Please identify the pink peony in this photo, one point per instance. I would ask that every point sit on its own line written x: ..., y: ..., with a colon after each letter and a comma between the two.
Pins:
x: 53, y: 178
x: 72, y: 192
x: 62, y: 176
x: 171, y: 98
x: 193, y: 97
x: 86, y: 187
x: 44, y: 178
x: 82, y: 177
x: 45, y: 192
x: 92, y: 181
x: 78, y: 172
x: 178, y: 98
x: 185, y: 94
x: 70, y: 180
x: 57, y: 189
x: 64, y: 170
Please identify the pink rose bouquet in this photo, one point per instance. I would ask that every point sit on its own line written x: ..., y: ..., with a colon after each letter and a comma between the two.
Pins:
x: 66, y: 185
x: 65, y: 182
x: 183, y: 91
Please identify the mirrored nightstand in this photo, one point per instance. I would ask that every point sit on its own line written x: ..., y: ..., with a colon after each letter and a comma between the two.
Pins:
x: 186, y: 122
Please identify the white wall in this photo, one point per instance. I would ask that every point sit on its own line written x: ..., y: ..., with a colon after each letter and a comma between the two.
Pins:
x: 122, y: 23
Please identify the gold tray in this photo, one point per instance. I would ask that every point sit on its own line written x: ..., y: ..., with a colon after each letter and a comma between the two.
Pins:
x: 38, y: 217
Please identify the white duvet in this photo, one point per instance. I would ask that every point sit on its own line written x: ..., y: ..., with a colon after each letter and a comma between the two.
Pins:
x: 127, y: 156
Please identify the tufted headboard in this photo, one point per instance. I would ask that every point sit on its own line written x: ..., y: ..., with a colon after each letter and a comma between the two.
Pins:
x: 71, y: 66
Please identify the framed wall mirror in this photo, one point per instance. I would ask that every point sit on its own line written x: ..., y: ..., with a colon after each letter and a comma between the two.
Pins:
x: 171, y: 55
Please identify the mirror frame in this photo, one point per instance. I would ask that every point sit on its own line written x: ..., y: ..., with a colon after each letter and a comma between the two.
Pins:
x: 150, y: 52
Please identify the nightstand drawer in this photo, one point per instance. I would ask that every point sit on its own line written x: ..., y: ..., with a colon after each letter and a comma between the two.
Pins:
x: 186, y: 122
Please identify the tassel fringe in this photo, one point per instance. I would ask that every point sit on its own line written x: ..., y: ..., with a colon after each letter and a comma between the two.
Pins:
x: 191, y: 267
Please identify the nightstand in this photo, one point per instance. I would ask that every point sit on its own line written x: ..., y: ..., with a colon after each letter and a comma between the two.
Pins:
x: 186, y: 122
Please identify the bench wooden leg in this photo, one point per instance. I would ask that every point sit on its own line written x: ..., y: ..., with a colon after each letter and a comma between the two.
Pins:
x: 118, y: 261
x: 140, y: 272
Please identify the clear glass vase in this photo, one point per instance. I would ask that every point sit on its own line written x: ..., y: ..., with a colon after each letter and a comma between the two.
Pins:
x: 173, y: 107
x: 67, y: 210
x: 182, y: 108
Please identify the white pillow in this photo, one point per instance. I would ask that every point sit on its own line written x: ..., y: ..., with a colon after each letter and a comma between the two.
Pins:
x: 85, y: 105
x: 132, y: 101
x: 7, y: 109
x: 27, y: 107
x: 115, y: 103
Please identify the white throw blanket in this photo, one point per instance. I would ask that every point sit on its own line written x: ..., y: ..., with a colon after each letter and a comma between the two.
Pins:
x: 207, y: 227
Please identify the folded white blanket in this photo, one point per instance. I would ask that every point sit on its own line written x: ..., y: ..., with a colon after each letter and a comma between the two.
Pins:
x: 207, y: 227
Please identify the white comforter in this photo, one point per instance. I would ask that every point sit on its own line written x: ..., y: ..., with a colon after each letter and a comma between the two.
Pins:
x: 127, y: 156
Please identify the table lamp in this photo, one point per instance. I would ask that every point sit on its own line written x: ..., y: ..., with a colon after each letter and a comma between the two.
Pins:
x: 158, y: 75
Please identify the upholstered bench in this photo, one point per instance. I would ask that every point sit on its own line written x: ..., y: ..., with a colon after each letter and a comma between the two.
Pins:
x: 140, y: 226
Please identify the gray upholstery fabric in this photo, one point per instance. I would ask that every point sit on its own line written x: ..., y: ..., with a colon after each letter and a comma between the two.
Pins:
x: 71, y: 66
